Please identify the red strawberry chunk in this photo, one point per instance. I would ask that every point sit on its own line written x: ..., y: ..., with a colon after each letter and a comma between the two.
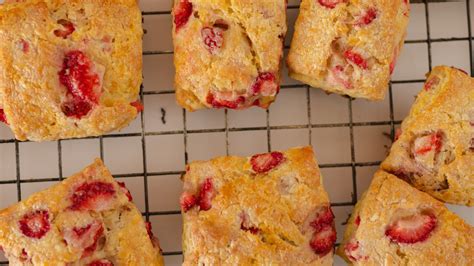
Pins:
x: 76, y: 108
x: 245, y: 224
x: 353, y: 252
x: 125, y: 191
x: 152, y: 237
x: 35, y: 224
x: 203, y: 200
x: 356, y: 59
x: 85, y: 237
x: 265, y: 85
x: 224, y: 100
x: 95, y: 196
x: 182, y: 12
x: 432, y: 82
x: 213, y: 38
x: 138, y: 105
x: 81, y: 84
x: 68, y: 28
x: 24, y: 46
x: 187, y: 201
x: 428, y: 143
x: 262, y: 163
x: 357, y: 220
x: 340, y: 77
x: 393, y: 63
x: 330, y: 3
x: 398, y: 133
x: 3, y: 117
x: 324, y: 216
x: 411, y: 229
x: 367, y: 17
x: 323, y: 240
x: 206, y: 194
x: 102, y: 262
x: 24, y: 256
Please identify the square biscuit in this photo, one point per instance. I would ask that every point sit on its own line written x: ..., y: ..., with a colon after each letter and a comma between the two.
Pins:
x: 268, y: 209
x: 348, y: 47
x: 227, y: 53
x: 70, y: 68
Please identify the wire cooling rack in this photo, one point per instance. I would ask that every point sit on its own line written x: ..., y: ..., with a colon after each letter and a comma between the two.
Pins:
x: 350, y: 136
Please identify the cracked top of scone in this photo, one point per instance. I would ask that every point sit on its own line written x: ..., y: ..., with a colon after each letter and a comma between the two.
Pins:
x: 395, y: 224
x: 227, y: 53
x: 87, y: 219
x: 435, y: 148
x: 348, y: 47
x: 69, y: 68
x: 266, y: 209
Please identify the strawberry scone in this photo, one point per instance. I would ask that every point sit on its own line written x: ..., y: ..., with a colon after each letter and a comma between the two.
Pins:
x: 69, y: 68
x: 435, y: 148
x: 269, y: 209
x: 348, y: 47
x: 87, y: 219
x: 396, y: 224
x: 227, y: 53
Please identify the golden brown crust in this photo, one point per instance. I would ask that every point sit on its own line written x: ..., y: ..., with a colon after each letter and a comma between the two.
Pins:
x: 278, y: 203
x: 126, y: 238
x: 446, y: 108
x: 323, y: 34
x: 252, y: 44
x: 107, y: 32
x: 450, y: 243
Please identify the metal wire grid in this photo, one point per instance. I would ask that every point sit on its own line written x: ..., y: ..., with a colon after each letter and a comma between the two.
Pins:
x: 309, y: 126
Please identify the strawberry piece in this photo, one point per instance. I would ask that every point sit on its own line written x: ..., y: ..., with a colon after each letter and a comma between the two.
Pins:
x: 262, y: 163
x: 24, y: 46
x: 102, y: 262
x: 428, y: 143
x: 96, y: 196
x: 68, y: 28
x: 356, y: 59
x: 24, y: 256
x: 353, y: 252
x: 367, y: 17
x: 138, y: 105
x: 206, y: 194
x: 245, y: 224
x: 330, y: 4
x: 84, y: 238
x: 265, y: 85
x: 323, y: 240
x: 125, y: 190
x: 182, y: 12
x: 398, y: 133
x: 187, y: 201
x: 430, y: 83
x: 324, y: 217
x: 213, y: 38
x: 224, y: 100
x: 340, y: 77
x: 411, y: 229
x: 81, y: 84
x: 152, y: 237
x: 76, y: 108
x: 357, y: 220
x: 3, y: 117
x: 393, y: 63
x: 35, y: 224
